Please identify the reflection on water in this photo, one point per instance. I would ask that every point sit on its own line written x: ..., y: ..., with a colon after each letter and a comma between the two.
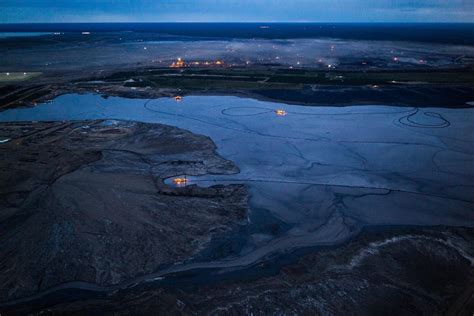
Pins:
x: 325, y: 172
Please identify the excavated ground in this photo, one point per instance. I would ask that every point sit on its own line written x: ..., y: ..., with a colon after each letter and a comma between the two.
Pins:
x: 85, y: 201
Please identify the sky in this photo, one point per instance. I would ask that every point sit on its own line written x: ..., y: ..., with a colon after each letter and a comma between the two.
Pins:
x: 44, y: 11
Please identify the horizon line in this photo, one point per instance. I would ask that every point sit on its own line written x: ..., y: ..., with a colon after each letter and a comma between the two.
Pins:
x: 240, y: 22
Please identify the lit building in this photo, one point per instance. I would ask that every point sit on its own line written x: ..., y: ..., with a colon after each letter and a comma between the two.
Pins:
x: 179, y: 63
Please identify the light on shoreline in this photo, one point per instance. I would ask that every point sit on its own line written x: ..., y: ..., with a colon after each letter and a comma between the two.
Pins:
x: 180, y: 181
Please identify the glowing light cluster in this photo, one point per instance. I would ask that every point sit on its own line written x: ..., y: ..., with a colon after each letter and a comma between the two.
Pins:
x: 280, y: 112
x: 179, y: 63
x: 180, y: 181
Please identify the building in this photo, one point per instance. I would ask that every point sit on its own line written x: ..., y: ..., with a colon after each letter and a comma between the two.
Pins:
x: 179, y: 63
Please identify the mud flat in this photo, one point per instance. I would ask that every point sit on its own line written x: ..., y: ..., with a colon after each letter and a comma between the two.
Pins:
x: 84, y: 201
x: 350, y: 207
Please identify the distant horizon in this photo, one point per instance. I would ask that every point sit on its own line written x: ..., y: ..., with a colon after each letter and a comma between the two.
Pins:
x: 234, y: 22
x: 453, y: 33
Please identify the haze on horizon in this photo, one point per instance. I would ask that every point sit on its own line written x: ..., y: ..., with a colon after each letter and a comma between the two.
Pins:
x: 59, y: 11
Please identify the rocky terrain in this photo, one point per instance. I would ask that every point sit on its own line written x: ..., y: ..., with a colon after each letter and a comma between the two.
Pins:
x: 85, y: 201
x: 403, y: 271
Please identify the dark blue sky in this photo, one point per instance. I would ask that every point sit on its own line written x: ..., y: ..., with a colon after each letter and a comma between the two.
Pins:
x: 18, y: 11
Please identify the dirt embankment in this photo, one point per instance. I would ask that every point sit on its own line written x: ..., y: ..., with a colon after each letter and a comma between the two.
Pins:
x: 84, y: 201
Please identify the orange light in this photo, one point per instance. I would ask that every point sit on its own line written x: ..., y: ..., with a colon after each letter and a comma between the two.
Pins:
x: 178, y: 63
x: 178, y: 98
x: 280, y: 112
x: 180, y: 181
x: 219, y: 62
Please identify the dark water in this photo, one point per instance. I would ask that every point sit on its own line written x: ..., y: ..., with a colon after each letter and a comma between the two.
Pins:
x: 458, y: 33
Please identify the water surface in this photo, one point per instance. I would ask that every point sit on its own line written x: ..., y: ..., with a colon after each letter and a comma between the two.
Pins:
x: 320, y: 173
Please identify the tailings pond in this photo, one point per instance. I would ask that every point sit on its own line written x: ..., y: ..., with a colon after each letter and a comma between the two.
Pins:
x: 316, y: 175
